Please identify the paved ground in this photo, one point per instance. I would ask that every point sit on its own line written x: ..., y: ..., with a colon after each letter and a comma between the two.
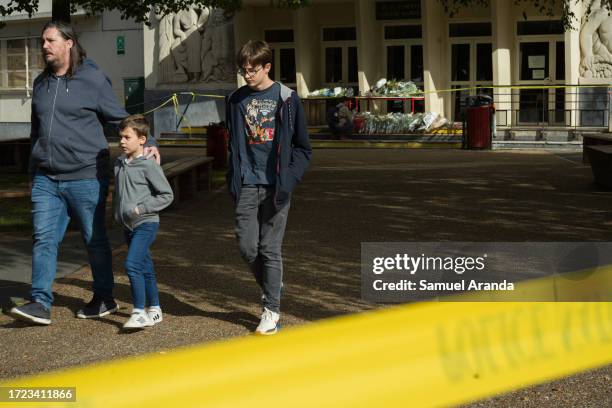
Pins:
x: 348, y: 197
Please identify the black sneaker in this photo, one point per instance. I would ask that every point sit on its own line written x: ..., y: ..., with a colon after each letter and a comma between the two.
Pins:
x: 32, y: 312
x: 98, y: 308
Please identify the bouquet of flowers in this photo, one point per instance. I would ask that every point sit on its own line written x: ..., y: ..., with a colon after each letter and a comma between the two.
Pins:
x: 332, y: 92
x: 394, y: 88
x: 398, y: 123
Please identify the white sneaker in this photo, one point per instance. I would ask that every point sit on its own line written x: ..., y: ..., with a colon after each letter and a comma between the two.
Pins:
x: 269, y: 322
x: 155, y: 315
x: 137, y: 321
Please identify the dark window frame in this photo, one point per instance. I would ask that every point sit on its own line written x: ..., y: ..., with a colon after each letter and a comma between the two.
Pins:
x: 475, y: 29
x: 403, y: 32
x: 345, y: 39
x: 276, y: 35
x: 540, y: 27
x: 335, y: 34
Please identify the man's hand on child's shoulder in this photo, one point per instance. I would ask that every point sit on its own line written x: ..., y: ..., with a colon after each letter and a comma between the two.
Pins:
x: 152, y: 151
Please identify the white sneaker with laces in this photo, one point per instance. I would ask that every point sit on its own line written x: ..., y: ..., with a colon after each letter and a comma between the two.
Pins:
x: 269, y: 322
x: 138, y: 320
x: 155, y: 315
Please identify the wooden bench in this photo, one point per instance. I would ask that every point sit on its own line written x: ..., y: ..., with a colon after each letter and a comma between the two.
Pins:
x: 188, y: 175
x: 600, y: 158
x: 594, y: 139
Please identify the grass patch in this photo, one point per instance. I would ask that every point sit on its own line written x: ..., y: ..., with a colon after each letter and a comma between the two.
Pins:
x: 218, y: 178
x: 14, y: 182
x: 15, y: 214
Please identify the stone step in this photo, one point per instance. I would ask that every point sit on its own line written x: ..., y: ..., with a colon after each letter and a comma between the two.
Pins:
x: 537, y: 144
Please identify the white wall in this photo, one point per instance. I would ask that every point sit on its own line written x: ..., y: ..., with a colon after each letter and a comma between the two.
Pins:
x: 98, y: 35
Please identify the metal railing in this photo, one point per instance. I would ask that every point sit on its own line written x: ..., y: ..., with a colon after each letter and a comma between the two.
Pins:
x: 547, y: 106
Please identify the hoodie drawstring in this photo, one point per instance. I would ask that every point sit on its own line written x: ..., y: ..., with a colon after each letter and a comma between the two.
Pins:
x: 65, y: 78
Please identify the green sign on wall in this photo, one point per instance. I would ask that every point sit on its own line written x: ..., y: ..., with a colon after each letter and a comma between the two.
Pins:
x: 120, y: 45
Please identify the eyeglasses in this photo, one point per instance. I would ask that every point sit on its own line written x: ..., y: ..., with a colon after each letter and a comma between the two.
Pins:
x: 249, y: 72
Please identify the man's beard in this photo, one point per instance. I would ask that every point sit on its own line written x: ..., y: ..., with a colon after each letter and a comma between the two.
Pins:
x: 53, y: 64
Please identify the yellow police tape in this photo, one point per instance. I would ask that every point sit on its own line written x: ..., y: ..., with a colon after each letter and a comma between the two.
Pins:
x: 425, y: 354
x: 475, y: 88
x: 420, y: 94
x: 174, y: 97
x: 175, y: 102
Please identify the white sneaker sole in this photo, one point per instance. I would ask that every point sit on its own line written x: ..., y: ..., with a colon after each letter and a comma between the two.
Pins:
x: 18, y: 314
x: 109, y: 311
x: 267, y: 333
x: 135, y: 328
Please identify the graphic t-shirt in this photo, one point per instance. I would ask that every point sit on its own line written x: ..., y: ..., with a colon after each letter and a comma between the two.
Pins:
x: 258, y: 161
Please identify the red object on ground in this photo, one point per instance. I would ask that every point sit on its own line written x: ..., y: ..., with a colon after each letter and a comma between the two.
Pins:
x: 358, y: 123
x: 216, y: 144
x: 478, y: 133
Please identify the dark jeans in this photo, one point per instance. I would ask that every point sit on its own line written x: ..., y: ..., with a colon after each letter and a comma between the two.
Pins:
x: 53, y: 204
x: 260, y: 229
x: 139, y: 265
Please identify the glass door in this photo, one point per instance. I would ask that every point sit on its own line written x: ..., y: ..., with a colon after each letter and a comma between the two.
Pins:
x: 542, y: 65
x: 471, y: 68
x: 404, y: 62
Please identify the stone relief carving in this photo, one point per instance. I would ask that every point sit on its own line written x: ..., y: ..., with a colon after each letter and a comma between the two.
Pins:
x: 596, y: 43
x: 166, y: 62
x: 196, y: 45
x: 218, y: 49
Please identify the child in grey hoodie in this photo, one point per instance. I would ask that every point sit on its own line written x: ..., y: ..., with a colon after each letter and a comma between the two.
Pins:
x: 141, y: 191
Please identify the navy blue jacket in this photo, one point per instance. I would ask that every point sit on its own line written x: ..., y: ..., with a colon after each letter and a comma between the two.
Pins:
x: 291, y: 142
x: 68, y: 119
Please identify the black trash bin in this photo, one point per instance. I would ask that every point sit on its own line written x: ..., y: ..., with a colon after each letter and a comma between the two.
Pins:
x: 478, y: 122
x: 217, y: 138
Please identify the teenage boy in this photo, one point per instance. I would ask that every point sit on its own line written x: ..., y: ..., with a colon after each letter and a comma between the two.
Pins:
x: 269, y: 153
x: 141, y: 192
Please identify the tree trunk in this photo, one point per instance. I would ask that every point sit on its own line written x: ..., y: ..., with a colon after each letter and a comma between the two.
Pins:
x: 61, y: 11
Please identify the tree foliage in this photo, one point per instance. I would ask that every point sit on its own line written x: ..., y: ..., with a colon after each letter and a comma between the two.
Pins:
x: 139, y: 10
x: 544, y: 7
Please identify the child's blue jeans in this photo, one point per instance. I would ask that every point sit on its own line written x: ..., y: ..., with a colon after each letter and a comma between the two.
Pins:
x: 139, y: 265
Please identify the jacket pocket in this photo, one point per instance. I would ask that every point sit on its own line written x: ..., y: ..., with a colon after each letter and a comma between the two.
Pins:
x: 289, y: 180
x: 39, y: 146
x: 128, y: 215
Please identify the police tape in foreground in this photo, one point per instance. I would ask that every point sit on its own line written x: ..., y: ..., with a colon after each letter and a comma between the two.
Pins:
x: 425, y: 354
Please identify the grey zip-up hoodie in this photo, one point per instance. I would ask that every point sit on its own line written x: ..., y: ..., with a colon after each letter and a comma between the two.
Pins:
x: 68, y: 119
x: 140, y: 183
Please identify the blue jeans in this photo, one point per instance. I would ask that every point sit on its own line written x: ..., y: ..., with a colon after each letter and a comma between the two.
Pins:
x: 260, y: 229
x: 139, y: 265
x: 53, y: 204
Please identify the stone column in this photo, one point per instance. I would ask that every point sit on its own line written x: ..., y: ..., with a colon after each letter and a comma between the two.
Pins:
x: 244, y: 30
x: 150, y: 54
x: 572, y: 63
x: 434, y: 55
x: 502, y: 23
x: 367, y: 43
x: 306, y: 61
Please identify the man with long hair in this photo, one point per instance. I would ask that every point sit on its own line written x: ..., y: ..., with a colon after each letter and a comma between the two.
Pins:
x: 72, y: 101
